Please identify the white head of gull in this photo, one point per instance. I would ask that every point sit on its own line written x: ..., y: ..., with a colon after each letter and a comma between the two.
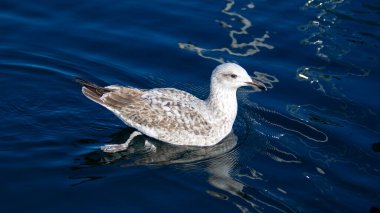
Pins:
x: 175, y: 116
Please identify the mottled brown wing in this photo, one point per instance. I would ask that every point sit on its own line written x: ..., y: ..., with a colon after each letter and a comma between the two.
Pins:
x: 157, y: 110
x: 121, y: 98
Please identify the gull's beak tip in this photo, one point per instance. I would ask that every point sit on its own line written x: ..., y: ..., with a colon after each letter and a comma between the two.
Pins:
x: 262, y: 87
x: 258, y: 85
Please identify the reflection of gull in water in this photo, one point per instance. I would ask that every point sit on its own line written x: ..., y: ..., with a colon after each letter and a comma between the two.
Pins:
x: 236, y: 48
x: 152, y: 152
x: 172, y: 115
x: 219, y: 161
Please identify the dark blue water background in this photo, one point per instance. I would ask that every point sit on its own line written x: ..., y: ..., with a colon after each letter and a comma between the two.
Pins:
x: 308, y: 144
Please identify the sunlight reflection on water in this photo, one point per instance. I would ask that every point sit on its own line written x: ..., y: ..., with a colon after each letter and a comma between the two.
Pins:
x: 236, y: 47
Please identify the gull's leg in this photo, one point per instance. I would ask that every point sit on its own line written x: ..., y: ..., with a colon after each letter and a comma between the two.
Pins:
x: 112, y: 148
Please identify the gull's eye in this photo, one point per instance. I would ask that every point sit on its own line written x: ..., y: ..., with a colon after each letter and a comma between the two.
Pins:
x: 233, y: 76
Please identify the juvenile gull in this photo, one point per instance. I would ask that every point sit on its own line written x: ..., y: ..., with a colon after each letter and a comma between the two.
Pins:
x: 172, y: 115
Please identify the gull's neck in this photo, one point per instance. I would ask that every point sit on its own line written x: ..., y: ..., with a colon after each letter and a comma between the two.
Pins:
x: 222, y: 101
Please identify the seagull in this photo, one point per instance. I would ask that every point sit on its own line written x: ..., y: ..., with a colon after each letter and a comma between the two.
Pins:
x: 175, y: 116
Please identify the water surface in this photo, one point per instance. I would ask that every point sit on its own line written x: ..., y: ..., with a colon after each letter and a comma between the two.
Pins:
x: 308, y: 144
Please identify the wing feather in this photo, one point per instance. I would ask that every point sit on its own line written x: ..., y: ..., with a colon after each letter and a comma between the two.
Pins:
x: 166, y: 109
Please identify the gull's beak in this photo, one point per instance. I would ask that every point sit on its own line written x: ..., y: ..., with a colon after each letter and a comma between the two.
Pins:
x: 256, y: 84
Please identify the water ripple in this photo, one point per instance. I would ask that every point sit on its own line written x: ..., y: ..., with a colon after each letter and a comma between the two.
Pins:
x: 237, y: 46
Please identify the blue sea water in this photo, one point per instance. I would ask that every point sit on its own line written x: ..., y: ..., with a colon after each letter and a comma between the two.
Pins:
x: 310, y: 143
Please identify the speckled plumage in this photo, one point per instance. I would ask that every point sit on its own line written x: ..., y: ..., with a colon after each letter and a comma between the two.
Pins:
x: 175, y: 116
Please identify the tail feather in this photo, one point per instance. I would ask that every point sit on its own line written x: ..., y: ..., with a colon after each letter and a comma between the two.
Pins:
x: 92, y: 91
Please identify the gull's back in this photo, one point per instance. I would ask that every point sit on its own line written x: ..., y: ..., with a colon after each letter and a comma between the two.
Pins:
x: 166, y: 114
